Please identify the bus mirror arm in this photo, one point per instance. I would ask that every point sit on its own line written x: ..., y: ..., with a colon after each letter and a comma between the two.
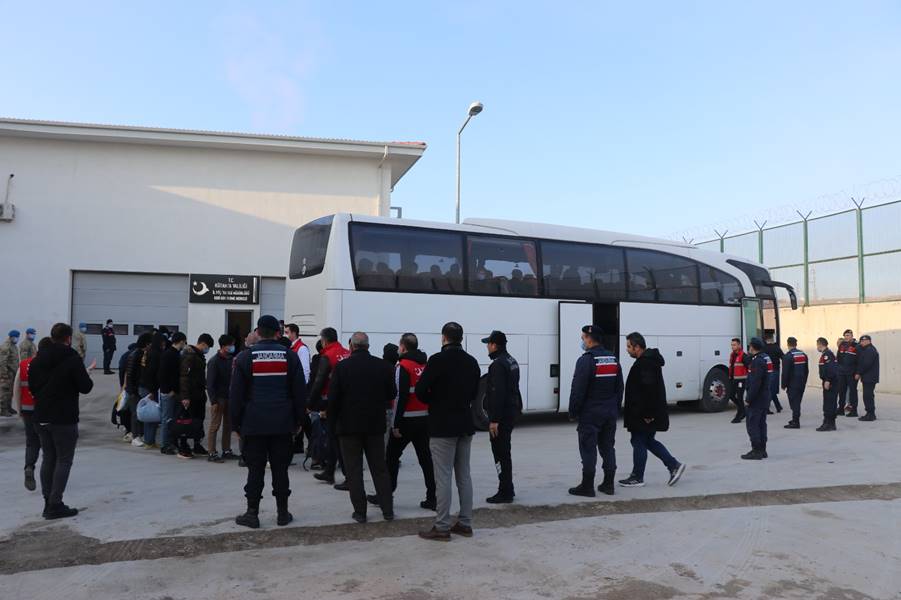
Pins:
x: 793, y: 298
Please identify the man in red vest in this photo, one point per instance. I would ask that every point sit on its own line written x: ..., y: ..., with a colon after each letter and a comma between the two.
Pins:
x: 738, y: 375
x: 332, y: 353
x: 23, y: 401
x: 409, y: 423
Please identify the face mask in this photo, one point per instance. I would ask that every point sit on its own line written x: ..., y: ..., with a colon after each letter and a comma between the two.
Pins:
x: 230, y: 349
x: 583, y: 346
x: 206, y: 350
x: 83, y: 330
x: 30, y: 336
x: 14, y: 340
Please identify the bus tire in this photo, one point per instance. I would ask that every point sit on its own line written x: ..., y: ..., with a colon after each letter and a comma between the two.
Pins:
x: 715, y: 393
x: 479, y: 414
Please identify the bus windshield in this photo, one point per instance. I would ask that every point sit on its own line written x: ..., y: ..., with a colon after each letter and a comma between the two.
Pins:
x: 308, y: 248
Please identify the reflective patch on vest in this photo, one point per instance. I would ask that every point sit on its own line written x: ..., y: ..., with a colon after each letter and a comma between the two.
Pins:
x: 769, y: 363
x: 269, y: 363
x: 799, y: 359
x: 605, y: 366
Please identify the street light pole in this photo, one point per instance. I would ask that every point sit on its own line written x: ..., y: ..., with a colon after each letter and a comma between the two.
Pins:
x: 474, y: 109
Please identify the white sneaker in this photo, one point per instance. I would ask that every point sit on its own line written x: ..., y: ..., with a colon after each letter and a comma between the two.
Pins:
x: 127, y: 438
x: 137, y: 442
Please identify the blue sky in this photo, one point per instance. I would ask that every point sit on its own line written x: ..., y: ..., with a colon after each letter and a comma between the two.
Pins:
x: 646, y: 117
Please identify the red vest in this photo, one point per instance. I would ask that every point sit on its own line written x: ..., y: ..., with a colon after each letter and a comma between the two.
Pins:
x: 414, y: 407
x: 333, y: 353
x: 737, y: 367
x: 27, y: 398
x: 297, y: 345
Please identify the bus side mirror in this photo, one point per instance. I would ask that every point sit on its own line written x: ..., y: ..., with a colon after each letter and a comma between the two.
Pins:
x: 792, y: 297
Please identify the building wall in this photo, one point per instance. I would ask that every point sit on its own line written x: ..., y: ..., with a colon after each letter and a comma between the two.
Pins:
x: 882, y: 320
x: 161, y: 209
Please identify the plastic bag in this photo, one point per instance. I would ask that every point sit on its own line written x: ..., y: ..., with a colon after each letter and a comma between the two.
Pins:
x: 148, y: 410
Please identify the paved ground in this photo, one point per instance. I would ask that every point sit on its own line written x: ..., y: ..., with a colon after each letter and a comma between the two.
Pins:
x: 821, y: 518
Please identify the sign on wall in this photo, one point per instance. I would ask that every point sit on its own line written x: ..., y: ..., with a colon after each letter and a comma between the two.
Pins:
x: 225, y: 289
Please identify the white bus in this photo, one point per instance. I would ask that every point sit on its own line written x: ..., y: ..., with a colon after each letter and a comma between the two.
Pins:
x: 537, y: 283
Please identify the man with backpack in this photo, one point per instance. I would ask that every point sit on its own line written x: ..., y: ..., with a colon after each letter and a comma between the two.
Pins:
x: 266, y: 402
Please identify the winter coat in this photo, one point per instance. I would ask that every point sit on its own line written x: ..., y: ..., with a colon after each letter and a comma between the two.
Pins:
x: 56, y: 377
x: 645, y: 396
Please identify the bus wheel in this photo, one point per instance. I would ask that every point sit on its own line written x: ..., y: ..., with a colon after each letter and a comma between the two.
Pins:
x: 716, y: 390
x: 479, y: 414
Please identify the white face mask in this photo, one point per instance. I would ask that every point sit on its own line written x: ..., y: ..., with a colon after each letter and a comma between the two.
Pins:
x: 583, y: 345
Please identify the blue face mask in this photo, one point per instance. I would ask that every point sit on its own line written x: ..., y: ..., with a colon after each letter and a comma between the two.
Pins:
x: 15, y: 340
x: 230, y: 349
x: 206, y: 350
x: 583, y: 346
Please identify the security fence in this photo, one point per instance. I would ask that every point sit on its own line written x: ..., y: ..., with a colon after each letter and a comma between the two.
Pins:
x: 844, y: 257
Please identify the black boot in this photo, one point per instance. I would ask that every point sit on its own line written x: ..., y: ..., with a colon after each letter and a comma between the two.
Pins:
x: 284, y: 517
x: 327, y: 476
x: 251, y: 518
x: 793, y: 425
x: 828, y: 425
x: 754, y: 454
x: 606, y: 486
x: 586, y: 488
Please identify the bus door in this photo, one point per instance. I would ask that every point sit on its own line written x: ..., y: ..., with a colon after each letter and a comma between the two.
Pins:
x: 572, y: 317
x: 751, y: 320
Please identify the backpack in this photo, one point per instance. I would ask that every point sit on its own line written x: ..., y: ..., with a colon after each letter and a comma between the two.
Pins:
x: 318, y: 449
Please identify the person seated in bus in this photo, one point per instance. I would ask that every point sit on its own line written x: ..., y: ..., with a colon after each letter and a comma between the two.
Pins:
x: 552, y: 279
x: 455, y: 278
x: 366, y: 275
x: 571, y: 282
x: 384, y: 278
x: 439, y: 281
x: 530, y: 284
x: 516, y: 283
x: 408, y: 277
x: 484, y: 280
x: 641, y: 287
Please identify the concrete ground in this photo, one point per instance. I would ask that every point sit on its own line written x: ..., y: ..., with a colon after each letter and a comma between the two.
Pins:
x: 821, y: 518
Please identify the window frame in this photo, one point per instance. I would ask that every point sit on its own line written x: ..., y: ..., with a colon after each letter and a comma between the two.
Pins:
x: 292, y: 274
x: 463, y: 237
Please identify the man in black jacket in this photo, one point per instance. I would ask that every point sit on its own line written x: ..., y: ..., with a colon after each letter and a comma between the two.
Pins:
x: 192, y: 391
x: 109, y: 346
x: 56, y: 377
x: 846, y: 359
x: 868, y: 374
x: 218, y: 380
x: 504, y: 404
x: 267, y: 401
x: 170, y: 366
x: 360, y: 392
x: 133, y: 385
x: 449, y: 386
x: 645, y: 411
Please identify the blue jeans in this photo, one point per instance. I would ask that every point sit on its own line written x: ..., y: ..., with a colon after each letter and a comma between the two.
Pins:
x: 642, y: 442
x: 149, y: 428
x: 167, y: 413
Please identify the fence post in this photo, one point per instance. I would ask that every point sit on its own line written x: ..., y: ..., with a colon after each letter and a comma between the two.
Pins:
x: 722, y: 237
x: 804, y: 219
x: 860, y: 281
x: 760, y: 227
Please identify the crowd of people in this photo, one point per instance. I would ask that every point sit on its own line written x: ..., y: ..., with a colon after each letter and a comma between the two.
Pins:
x: 338, y: 405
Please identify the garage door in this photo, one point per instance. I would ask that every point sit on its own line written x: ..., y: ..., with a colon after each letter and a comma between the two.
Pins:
x: 134, y: 302
x: 272, y: 297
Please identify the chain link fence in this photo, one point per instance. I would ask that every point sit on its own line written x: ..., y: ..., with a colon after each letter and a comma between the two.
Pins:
x: 845, y: 257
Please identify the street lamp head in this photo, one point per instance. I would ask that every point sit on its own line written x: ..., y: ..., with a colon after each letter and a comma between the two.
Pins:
x: 475, y: 108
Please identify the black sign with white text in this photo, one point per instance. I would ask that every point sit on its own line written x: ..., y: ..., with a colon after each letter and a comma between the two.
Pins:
x: 225, y: 289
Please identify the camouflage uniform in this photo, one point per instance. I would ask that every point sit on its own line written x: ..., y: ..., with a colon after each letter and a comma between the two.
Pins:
x: 27, y: 349
x: 9, y: 364
x: 79, y: 343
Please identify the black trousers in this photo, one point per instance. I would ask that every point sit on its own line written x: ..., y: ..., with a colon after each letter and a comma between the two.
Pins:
x: 413, y: 430
x: 32, y: 439
x: 756, y: 425
x: 869, y: 398
x: 794, y: 401
x: 334, y: 459
x: 353, y: 447
x: 108, y: 358
x: 597, y: 437
x: 503, y: 461
x: 829, y: 403
x: 277, y: 450
x: 847, y: 392
x: 58, y: 444
x: 737, y: 395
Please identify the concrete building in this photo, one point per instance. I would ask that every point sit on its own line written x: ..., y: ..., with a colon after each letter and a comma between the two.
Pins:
x: 150, y: 227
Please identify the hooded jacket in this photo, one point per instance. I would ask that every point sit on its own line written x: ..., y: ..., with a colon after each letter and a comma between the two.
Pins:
x: 56, y: 377
x: 192, y: 380
x: 646, y: 394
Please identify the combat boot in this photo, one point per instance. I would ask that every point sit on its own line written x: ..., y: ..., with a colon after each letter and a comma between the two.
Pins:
x: 586, y: 488
x: 793, y: 425
x: 251, y: 518
x: 754, y: 454
x: 828, y: 425
x: 284, y: 517
x: 606, y: 486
